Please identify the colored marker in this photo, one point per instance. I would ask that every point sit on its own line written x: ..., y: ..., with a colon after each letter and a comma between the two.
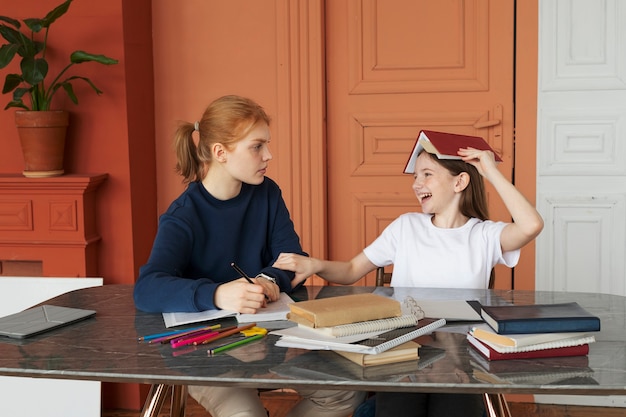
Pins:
x: 168, y: 333
x: 238, y: 343
x: 227, y: 333
x: 188, y: 332
x: 191, y: 340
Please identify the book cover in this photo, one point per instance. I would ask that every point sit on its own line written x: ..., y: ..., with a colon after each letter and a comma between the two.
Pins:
x: 444, y: 146
x: 540, y: 318
x: 487, y: 334
x: 408, y: 351
x: 372, y: 344
x: 333, y: 311
x: 493, y: 355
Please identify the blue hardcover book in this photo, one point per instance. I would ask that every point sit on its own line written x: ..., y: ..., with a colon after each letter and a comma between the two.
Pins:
x: 540, y: 318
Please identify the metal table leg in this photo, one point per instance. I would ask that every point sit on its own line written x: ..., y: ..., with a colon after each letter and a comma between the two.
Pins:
x: 496, y: 406
x: 179, y: 400
x: 155, y: 400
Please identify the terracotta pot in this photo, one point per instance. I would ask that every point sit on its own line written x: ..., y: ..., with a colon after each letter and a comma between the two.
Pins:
x: 42, y: 136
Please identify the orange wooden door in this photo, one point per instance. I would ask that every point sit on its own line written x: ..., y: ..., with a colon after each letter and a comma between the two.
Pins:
x: 395, y: 67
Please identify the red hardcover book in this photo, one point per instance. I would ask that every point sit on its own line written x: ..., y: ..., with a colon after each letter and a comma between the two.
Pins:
x: 444, y: 146
x: 493, y: 355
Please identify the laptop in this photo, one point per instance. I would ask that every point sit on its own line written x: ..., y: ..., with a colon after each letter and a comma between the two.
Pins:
x: 40, y: 319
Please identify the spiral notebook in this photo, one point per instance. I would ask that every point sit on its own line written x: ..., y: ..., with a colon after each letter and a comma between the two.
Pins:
x: 369, y: 326
x: 371, y: 343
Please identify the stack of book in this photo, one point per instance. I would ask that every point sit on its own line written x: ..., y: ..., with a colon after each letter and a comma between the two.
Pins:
x: 534, y: 331
x: 367, y: 329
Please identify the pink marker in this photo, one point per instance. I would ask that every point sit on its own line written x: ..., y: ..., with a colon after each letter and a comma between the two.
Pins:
x: 190, y: 340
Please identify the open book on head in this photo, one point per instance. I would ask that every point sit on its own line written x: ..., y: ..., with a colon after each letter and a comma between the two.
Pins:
x: 273, y: 311
x: 444, y: 146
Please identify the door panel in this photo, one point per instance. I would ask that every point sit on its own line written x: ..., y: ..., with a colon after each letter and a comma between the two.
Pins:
x: 395, y: 67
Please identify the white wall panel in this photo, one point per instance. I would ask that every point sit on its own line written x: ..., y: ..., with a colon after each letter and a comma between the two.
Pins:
x: 580, y: 241
x: 582, y: 141
x: 582, y: 45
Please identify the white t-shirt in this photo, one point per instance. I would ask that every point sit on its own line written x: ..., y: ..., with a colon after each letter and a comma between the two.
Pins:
x: 424, y: 255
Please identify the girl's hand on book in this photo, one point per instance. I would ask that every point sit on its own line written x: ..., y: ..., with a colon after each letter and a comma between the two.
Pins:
x: 484, y: 161
x: 269, y: 288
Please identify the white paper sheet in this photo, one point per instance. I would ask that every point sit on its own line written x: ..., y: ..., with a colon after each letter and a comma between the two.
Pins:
x: 274, y: 311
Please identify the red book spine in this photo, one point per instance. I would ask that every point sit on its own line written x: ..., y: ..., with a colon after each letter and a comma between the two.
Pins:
x: 493, y: 355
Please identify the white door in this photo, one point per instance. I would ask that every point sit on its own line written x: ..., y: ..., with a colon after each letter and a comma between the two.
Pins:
x: 581, y: 152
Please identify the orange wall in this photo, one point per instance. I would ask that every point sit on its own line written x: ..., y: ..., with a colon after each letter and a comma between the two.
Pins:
x: 101, y: 127
x: 209, y: 52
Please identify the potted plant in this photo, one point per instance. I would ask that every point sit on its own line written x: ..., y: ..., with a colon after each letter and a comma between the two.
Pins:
x: 35, y: 117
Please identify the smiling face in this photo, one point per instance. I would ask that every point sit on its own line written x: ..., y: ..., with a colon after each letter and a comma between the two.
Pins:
x: 435, y: 187
x: 247, y: 161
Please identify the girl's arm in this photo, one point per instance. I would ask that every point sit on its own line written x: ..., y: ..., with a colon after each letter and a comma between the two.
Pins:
x: 337, y: 272
x: 527, y: 222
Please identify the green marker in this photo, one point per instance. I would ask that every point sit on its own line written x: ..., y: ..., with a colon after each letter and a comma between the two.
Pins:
x: 235, y: 344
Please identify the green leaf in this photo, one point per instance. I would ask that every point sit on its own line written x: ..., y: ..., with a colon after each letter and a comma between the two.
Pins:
x: 70, y: 92
x: 87, y: 80
x: 36, y: 24
x: 11, y: 82
x: 34, y: 70
x: 19, y: 93
x: 11, y: 35
x: 16, y: 104
x: 11, y: 21
x: 58, y: 11
x: 78, y: 57
x: 7, y: 52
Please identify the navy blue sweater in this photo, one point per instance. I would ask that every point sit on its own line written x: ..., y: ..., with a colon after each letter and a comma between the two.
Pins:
x: 198, y: 238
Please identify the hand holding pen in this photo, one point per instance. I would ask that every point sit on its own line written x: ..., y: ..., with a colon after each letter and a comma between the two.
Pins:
x: 243, y: 274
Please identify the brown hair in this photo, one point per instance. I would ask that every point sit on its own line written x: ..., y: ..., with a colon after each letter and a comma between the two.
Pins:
x: 473, y: 197
x: 226, y: 120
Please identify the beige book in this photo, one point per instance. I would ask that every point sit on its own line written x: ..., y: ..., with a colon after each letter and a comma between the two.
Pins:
x: 333, y: 311
x: 408, y: 351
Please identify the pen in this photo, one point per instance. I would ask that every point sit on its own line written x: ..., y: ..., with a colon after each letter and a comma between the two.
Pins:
x: 238, y: 343
x: 227, y: 333
x: 243, y: 274
x: 169, y: 333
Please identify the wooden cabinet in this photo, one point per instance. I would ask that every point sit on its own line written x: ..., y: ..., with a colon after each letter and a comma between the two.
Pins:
x: 48, y: 226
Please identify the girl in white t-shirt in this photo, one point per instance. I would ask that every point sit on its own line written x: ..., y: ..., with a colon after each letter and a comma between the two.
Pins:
x: 451, y: 244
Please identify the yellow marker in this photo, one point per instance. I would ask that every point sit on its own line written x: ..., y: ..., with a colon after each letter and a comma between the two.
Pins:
x: 254, y: 331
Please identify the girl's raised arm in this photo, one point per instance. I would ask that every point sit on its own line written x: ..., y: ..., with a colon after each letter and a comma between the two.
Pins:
x: 527, y: 222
